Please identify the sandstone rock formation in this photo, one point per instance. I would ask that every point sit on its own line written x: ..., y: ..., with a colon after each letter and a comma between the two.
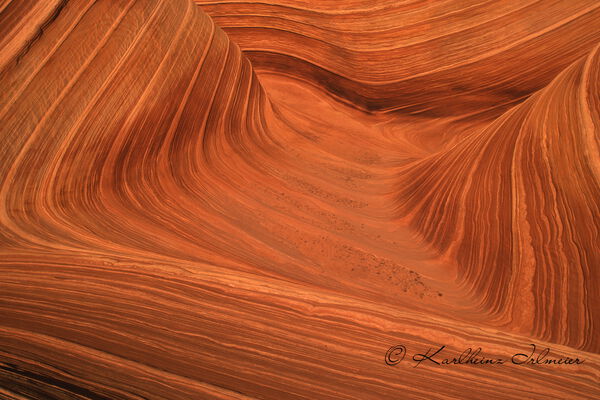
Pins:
x: 233, y: 200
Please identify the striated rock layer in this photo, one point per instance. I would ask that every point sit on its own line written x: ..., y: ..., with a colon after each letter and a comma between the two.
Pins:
x: 183, y: 218
x: 516, y: 205
x: 431, y: 58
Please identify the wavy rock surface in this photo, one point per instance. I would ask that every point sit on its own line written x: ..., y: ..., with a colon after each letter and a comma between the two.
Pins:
x: 441, y: 58
x: 184, y: 218
x: 516, y: 205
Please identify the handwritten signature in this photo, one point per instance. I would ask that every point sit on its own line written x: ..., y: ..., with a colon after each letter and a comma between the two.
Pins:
x: 471, y: 356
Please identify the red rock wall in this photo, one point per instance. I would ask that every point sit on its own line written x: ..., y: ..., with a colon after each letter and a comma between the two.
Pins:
x: 243, y: 200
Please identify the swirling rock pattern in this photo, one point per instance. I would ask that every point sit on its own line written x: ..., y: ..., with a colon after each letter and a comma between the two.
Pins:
x: 374, y: 54
x: 240, y: 200
x: 522, y: 219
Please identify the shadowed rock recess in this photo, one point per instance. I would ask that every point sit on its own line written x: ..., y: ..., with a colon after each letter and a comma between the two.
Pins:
x: 256, y: 200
